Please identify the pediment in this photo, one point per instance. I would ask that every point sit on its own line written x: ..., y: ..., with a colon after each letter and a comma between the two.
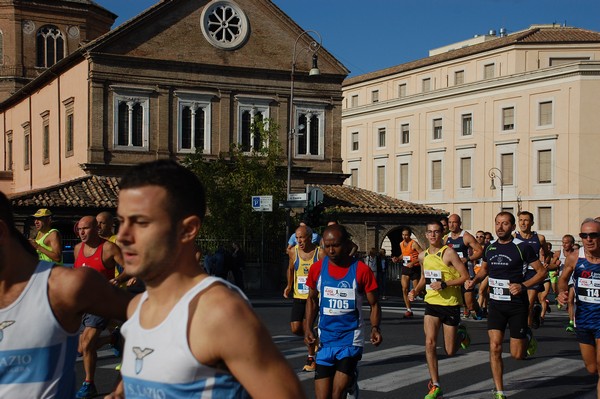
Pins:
x: 172, y: 31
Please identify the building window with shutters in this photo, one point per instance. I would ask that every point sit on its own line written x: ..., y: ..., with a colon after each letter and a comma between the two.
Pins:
x: 466, y: 218
x: 26, y: 145
x: 544, y: 220
x: 426, y: 85
x: 354, y: 101
x: 69, y: 105
x: 507, y: 168
x: 489, y: 71
x: 436, y: 174
x: 465, y: 172
x: 544, y: 166
x: 459, y: 77
x: 354, y: 177
x: 467, y: 124
x: 46, y: 138
x: 354, y: 141
x: 437, y: 129
x: 381, y: 137
x: 402, y: 90
x: 381, y: 178
x: 403, y: 173
x: 545, y: 114
x: 508, y: 118
x: 405, y: 133
x: 9, y: 150
x: 375, y: 96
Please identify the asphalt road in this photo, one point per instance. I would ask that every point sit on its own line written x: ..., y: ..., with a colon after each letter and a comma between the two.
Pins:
x: 397, y: 368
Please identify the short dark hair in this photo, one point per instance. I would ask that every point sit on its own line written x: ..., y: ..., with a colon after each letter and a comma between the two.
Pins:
x: 185, y: 192
x: 341, y: 229
x: 437, y: 223
x: 6, y: 215
x: 510, y: 215
x: 526, y: 213
x: 406, y: 229
x: 570, y: 237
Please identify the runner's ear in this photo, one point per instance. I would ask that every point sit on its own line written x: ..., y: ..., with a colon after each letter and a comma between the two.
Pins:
x: 190, y: 228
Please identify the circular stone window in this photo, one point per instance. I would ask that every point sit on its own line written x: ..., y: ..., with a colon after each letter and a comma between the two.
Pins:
x: 224, y: 25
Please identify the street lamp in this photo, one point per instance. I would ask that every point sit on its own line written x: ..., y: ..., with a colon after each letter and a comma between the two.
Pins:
x: 313, y: 47
x: 494, y: 173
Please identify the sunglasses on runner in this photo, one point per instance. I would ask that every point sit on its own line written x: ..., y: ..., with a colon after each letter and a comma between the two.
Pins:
x: 593, y: 236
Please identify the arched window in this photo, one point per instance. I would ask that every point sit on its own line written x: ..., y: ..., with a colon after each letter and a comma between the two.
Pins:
x: 50, y: 46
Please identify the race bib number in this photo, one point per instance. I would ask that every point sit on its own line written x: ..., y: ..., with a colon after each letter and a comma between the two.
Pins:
x: 460, y: 254
x: 431, y: 276
x: 588, y: 290
x: 499, y: 289
x: 338, y: 301
x: 406, y: 260
x: 302, y: 287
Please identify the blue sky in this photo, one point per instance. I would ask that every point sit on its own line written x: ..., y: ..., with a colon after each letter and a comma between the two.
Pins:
x: 367, y: 35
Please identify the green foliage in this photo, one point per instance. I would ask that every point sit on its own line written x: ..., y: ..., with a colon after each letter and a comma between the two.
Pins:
x: 233, y: 178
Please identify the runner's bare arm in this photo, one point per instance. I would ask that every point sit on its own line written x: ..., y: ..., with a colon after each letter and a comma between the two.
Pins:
x: 73, y: 292
x: 225, y: 330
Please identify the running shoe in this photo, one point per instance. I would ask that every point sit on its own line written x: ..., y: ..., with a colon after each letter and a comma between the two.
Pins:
x: 310, y: 365
x: 435, y: 392
x: 408, y: 314
x: 570, y: 327
x: 463, y: 336
x: 87, y: 390
x: 548, y: 308
x: 476, y: 315
x: 532, y: 346
x: 537, y: 312
x: 498, y: 395
x: 559, y: 306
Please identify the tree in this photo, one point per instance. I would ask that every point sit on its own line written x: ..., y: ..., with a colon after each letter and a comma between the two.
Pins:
x: 233, y: 178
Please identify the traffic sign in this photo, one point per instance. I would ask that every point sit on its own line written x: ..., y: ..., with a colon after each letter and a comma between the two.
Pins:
x: 297, y: 197
x: 262, y: 203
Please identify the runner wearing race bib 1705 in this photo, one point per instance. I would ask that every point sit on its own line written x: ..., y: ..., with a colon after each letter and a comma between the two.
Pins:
x: 583, y: 267
x: 338, y: 285
x: 503, y: 259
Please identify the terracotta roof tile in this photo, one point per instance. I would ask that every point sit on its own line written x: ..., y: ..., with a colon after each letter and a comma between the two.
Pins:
x: 85, y: 192
x: 347, y: 199
x: 540, y: 35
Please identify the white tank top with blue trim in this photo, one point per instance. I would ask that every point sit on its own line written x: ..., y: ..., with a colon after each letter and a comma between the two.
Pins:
x: 37, y: 356
x: 158, y: 362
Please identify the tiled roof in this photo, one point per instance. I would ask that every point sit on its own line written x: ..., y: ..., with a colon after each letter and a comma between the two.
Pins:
x: 347, y: 199
x: 538, y: 35
x: 85, y: 192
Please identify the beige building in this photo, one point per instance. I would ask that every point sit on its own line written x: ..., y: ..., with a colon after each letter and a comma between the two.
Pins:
x: 182, y: 76
x: 432, y: 131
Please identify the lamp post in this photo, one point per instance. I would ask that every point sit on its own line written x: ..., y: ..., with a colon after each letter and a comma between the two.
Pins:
x: 313, y: 47
x: 494, y: 173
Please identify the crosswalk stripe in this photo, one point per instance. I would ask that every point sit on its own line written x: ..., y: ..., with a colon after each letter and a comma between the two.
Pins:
x: 520, y: 380
x: 398, y: 379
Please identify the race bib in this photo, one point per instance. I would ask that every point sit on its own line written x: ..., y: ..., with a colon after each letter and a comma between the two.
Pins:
x: 460, y: 254
x: 406, y: 260
x: 588, y: 290
x: 499, y: 289
x: 431, y: 276
x: 302, y: 287
x: 338, y: 301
